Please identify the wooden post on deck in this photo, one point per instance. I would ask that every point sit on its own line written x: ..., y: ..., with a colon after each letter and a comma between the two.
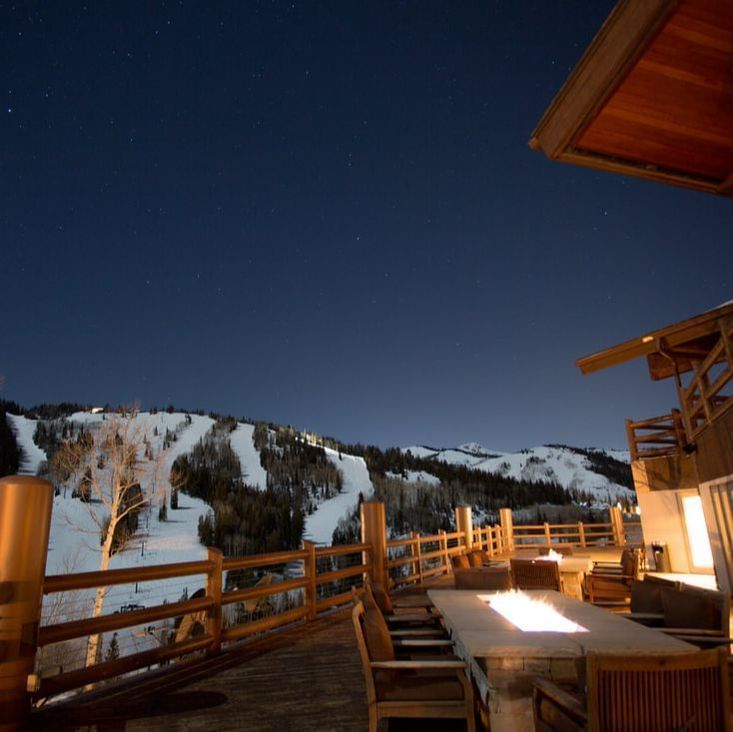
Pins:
x: 507, y: 528
x: 464, y: 523
x: 617, y: 525
x: 311, y: 594
x: 374, y: 532
x: 25, y: 523
x: 214, y: 581
x: 581, y: 534
x: 417, y: 553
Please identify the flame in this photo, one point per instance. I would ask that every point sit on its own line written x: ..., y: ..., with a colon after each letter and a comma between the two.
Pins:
x: 551, y: 556
x: 530, y: 614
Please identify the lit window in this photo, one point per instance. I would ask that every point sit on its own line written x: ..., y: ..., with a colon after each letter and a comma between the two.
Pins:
x: 697, y: 532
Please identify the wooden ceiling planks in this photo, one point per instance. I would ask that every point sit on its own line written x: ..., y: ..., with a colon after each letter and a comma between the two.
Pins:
x: 674, y: 109
x: 652, y: 96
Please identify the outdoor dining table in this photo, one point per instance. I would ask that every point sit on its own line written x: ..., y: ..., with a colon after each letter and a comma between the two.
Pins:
x: 503, y: 659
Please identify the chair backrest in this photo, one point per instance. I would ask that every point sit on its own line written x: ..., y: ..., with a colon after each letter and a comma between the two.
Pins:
x: 381, y: 596
x: 646, y: 594
x: 357, y: 617
x: 530, y: 574
x: 476, y: 558
x: 484, y: 578
x: 657, y: 693
x: 696, y: 607
x: 460, y: 561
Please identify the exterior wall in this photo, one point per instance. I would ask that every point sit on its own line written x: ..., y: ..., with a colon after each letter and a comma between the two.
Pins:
x: 665, y: 473
x: 717, y: 503
x: 662, y: 521
x: 714, y: 456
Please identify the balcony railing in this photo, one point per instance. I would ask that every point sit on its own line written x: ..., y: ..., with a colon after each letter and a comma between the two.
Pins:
x: 657, y: 436
x: 190, y: 608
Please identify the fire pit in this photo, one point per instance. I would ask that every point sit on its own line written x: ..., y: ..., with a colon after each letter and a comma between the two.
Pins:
x: 530, y: 614
x: 509, y: 638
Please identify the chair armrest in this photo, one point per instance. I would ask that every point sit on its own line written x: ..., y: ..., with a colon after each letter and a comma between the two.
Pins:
x: 705, y: 640
x: 423, y: 643
x: 397, y: 665
x: 612, y: 576
x: 411, y: 617
x: 643, y: 617
x: 692, y: 631
x: 417, y: 632
x: 560, y: 697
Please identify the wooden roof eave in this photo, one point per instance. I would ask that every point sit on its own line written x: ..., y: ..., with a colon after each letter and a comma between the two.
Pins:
x: 657, y: 341
x: 615, y: 49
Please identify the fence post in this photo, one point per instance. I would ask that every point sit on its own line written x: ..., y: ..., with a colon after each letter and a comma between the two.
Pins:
x: 214, y: 582
x: 507, y: 527
x: 617, y: 525
x: 490, y: 541
x: 311, y: 593
x: 25, y: 522
x: 464, y: 523
x: 374, y: 532
x: 581, y: 533
x: 443, y: 542
x: 417, y: 552
x: 548, y: 536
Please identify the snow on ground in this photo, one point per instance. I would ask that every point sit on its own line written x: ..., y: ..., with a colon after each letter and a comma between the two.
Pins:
x: 416, y: 476
x: 74, y: 541
x: 31, y: 455
x: 320, y: 524
x: 566, y: 467
x: 242, y: 443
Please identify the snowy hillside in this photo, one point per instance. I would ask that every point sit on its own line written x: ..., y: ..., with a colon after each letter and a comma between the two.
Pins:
x: 74, y: 541
x: 562, y: 465
x: 319, y: 525
x: 242, y: 443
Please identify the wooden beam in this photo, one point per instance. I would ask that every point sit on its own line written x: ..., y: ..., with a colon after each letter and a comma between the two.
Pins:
x: 727, y: 185
x: 612, y: 53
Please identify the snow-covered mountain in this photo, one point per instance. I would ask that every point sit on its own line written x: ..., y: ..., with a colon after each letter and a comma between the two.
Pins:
x: 569, y: 467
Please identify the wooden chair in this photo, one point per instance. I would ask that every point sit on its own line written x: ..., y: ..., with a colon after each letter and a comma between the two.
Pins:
x: 460, y: 561
x: 646, y: 600
x: 661, y: 693
x: 535, y: 574
x: 609, y: 585
x: 433, y: 689
x: 483, y: 578
x: 697, y: 615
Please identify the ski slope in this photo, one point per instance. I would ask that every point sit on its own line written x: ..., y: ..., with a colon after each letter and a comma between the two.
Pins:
x: 242, y: 443
x: 320, y: 524
x: 31, y: 455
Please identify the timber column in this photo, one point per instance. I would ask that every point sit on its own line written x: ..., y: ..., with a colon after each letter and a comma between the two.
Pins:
x: 464, y: 523
x: 507, y: 528
x: 374, y: 532
x: 25, y: 523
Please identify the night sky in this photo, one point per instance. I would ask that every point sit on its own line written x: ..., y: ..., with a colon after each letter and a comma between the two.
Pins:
x: 326, y: 214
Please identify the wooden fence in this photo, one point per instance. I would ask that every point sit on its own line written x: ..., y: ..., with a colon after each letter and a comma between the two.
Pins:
x: 316, y: 580
x: 233, y: 602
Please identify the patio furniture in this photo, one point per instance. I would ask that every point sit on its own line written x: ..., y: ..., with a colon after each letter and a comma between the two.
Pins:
x: 483, y: 578
x: 609, y: 585
x: 430, y: 688
x: 460, y: 561
x: 660, y: 693
x: 478, y: 558
x: 533, y: 574
x: 506, y: 651
x: 697, y: 615
x: 646, y: 600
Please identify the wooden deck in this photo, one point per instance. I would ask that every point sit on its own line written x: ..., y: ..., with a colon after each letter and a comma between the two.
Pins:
x: 306, y: 678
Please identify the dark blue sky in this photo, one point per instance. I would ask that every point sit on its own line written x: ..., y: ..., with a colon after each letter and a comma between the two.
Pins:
x: 326, y: 214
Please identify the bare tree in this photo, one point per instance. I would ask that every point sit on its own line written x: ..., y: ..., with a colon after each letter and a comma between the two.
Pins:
x: 115, y: 482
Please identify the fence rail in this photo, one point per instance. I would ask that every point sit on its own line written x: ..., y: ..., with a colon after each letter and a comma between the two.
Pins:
x: 316, y: 583
x: 243, y: 596
x: 656, y: 436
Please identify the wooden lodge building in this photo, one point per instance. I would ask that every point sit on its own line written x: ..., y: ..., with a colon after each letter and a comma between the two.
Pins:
x: 652, y: 97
